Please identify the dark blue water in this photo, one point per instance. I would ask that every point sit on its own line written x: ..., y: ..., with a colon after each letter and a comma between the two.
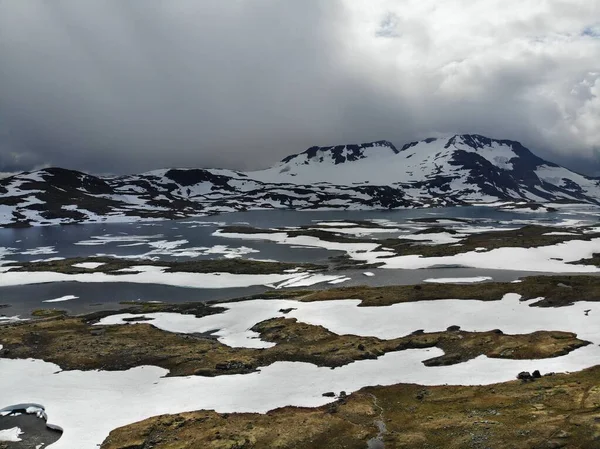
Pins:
x: 62, y: 241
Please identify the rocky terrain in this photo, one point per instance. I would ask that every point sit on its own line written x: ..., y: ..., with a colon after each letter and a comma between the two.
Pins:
x: 555, y: 411
x: 74, y: 343
x: 538, y: 409
x: 457, y: 170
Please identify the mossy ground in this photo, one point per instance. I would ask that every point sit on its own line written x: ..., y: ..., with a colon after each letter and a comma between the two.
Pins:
x: 556, y: 291
x: 73, y: 343
x: 552, y: 412
x: 47, y: 313
x: 559, y: 411
x: 529, y: 236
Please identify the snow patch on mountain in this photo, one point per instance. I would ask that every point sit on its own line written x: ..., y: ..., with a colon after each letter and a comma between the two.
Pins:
x: 454, y: 170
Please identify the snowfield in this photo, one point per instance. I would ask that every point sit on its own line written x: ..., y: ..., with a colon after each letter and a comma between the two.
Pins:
x: 149, y: 274
x: 342, y: 317
x: 10, y: 435
x: 67, y: 395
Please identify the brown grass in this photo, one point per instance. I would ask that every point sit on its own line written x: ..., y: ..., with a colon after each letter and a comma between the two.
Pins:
x: 72, y: 343
x: 560, y: 411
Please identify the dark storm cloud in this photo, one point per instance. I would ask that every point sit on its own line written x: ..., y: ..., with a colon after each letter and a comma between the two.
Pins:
x: 118, y: 86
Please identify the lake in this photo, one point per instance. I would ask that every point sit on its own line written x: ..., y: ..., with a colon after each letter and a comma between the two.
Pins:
x: 192, y: 239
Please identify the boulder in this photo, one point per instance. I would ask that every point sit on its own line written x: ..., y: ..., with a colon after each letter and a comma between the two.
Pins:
x: 525, y: 376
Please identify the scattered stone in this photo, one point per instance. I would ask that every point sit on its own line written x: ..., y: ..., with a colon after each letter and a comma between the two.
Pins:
x: 286, y: 311
x: 587, y: 312
x: 232, y: 365
x: 525, y: 376
x: 536, y: 374
x: 421, y: 394
x: 553, y: 444
x: 136, y: 319
x: 333, y: 407
x: 329, y: 394
x: 453, y: 328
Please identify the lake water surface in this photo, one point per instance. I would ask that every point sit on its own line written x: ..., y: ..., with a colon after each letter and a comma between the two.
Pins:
x: 192, y: 239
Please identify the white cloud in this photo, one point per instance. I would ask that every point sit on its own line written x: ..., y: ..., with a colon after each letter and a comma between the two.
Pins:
x: 541, y: 58
x: 156, y: 83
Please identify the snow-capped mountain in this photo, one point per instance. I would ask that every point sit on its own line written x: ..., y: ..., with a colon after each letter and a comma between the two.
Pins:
x: 457, y: 170
x: 466, y: 168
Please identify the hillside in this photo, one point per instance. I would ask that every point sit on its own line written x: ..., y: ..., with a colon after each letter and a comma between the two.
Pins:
x: 457, y: 170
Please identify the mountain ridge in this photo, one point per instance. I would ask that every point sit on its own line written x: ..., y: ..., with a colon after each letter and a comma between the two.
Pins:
x: 461, y: 169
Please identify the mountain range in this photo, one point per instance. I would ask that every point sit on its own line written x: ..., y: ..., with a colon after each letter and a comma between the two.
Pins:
x: 455, y: 170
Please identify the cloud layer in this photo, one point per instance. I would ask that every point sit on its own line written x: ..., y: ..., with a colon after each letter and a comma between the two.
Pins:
x: 130, y: 86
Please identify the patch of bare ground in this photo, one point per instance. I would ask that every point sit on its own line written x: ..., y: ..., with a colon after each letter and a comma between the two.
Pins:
x: 556, y: 291
x: 558, y: 411
x: 74, y: 344
x: 529, y: 236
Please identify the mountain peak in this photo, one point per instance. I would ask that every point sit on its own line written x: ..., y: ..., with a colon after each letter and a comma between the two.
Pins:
x: 471, y: 140
x: 343, y: 153
x: 450, y: 170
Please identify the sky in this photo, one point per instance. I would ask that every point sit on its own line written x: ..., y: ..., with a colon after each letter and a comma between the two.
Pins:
x: 113, y: 86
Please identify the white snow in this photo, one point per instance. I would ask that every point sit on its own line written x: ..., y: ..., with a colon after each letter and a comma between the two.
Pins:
x: 67, y: 395
x: 548, y: 259
x: 49, y: 259
x: 382, y: 167
x: 161, y: 247
x: 335, y: 224
x: 307, y: 279
x: 339, y: 281
x: 345, y: 317
x: 40, y: 251
x: 156, y: 275
x: 300, y: 241
x: 62, y: 298
x: 358, y: 231
x: 11, y: 435
x: 108, y: 238
x: 472, y: 280
x: 89, y: 265
x: 10, y: 319
x: 439, y: 238
x: 558, y: 175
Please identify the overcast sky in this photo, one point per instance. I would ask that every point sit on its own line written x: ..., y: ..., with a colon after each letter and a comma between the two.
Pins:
x: 128, y: 86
